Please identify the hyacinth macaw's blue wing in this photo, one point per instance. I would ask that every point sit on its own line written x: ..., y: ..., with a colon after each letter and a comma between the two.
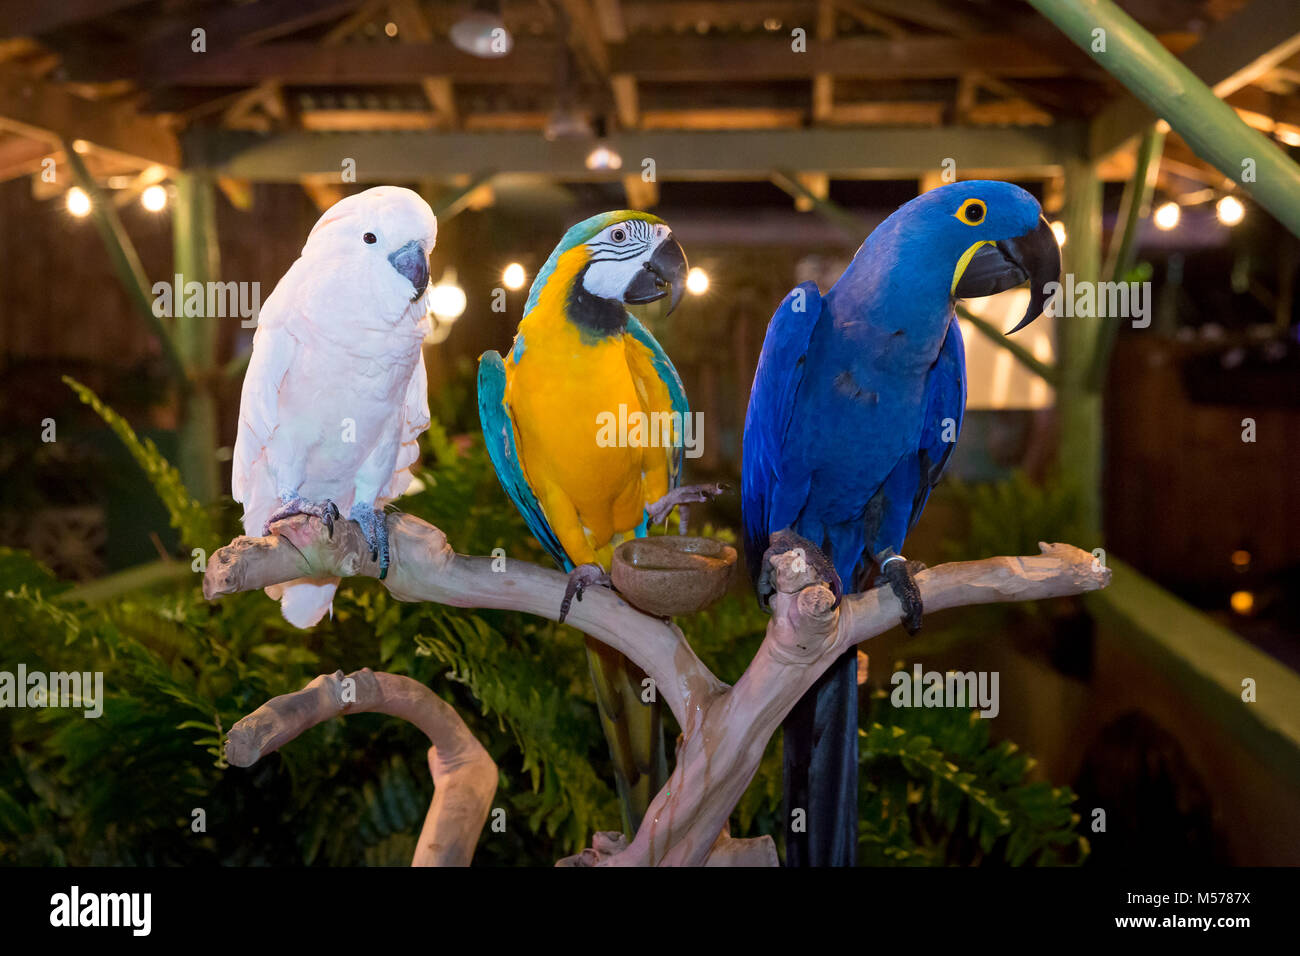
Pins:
x: 945, y: 406
x: 773, y: 495
x: 667, y: 373
x: 499, y: 434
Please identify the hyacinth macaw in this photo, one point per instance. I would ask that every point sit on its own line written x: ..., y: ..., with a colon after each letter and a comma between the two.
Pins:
x: 855, y: 409
x: 335, y: 396
x: 579, y: 355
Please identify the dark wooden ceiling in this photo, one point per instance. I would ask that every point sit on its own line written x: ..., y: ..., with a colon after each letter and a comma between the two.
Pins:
x: 123, y: 75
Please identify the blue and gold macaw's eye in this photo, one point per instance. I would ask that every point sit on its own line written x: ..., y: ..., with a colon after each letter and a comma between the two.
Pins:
x: 972, y: 212
x: 618, y: 235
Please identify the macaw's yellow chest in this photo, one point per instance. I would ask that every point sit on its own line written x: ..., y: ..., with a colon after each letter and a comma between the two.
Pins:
x: 563, y: 392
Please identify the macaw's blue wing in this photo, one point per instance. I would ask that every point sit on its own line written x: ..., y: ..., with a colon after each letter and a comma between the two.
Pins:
x: 774, y: 488
x: 945, y: 406
x: 667, y: 373
x: 499, y: 434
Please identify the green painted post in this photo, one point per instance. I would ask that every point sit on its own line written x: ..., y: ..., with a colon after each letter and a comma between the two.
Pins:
x: 194, y: 242
x: 1123, y: 244
x: 1156, y: 77
x: 1078, y: 402
x: 126, y: 263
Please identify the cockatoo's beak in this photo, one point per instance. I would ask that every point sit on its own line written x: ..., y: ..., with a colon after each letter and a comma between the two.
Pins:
x: 412, y: 262
x: 664, y: 273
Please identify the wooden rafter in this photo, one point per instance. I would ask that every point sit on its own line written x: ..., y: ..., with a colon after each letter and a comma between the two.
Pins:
x: 414, y: 27
x: 27, y: 18
x: 1029, y: 153
x: 45, y: 112
x: 823, y: 87
x: 657, y: 59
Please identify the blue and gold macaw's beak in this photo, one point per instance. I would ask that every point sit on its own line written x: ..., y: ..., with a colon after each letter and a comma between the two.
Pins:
x: 664, y: 273
x: 998, y: 266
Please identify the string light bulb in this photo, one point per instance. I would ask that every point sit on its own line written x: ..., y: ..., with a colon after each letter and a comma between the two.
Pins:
x: 1230, y: 210
x: 1167, y: 215
x: 697, y: 281
x: 77, y: 201
x: 514, y: 276
x: 154, y: 198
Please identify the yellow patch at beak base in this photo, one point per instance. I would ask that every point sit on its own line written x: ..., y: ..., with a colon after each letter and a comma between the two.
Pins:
x: 963, y: 262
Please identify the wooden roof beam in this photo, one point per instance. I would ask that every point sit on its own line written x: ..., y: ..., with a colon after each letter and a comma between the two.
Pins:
x: 1014, y: 153
x: 654, y: 59
x: 43, y: 111
x: 28, y: 18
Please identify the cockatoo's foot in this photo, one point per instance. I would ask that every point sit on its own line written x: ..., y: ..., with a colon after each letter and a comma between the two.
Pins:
x: 901, y: 577
x: 375, y: 528
x: 787, y: 540
x: 581, y: 578
x: 294, y: 504
x: 681, y: 497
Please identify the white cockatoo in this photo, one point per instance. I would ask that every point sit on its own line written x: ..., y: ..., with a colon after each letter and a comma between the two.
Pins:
x: 335, y: 396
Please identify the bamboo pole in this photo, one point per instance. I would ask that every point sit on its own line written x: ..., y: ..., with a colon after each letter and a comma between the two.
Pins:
x: 194, y: 240
x: 126, y: 263
x: 1157, y: 77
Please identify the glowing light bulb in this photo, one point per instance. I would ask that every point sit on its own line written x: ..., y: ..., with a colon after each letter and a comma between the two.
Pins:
x: 1243, y: 602
x: 1058, y: 230
x: 447, y: 300
x: 514, y: 276
x: 77, y: 201
x: 697, y: 281
x: 154, y: 198
x: 1230, y: 210
x: 602, y: 157
x: 1167, y: 216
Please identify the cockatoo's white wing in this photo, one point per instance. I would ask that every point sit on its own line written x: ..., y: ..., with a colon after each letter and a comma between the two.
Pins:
x: 415, y: 419
x: 274, y: 349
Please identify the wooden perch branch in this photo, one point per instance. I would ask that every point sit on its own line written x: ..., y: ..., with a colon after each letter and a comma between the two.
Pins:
x: 724, y: 729
x: 464, y: 776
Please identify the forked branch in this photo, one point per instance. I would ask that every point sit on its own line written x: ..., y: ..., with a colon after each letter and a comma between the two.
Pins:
x: 724, y: 729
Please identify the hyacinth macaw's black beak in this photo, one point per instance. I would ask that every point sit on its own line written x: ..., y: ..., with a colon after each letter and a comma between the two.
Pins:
x: 664, y: 273
x: 998, y: 266
x: 412, y: 263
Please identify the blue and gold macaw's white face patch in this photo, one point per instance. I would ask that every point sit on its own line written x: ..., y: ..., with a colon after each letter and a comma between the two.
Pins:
x: 618, y: 254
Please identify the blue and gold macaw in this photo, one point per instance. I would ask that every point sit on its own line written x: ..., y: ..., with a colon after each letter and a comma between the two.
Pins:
x: 578, y: 356
x: 855, y: 409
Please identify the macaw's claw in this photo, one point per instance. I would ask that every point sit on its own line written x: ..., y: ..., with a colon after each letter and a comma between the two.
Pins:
x: 787, y: 540
x: 680, y: 498
x: 294, y: 504
x: 581, y: 578
x: 901, y: 576
x: 375, y: 528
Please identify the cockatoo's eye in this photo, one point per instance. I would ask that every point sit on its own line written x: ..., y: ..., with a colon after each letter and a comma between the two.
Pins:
x: 618, y: 235
x: 369, y: 239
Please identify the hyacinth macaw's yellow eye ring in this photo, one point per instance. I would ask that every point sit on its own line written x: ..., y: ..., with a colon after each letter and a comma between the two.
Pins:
x: 972, y: 212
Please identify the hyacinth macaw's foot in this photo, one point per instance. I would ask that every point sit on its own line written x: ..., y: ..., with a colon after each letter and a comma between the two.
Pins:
x: 901, y: 577
x: 291, y: 503
x: 581, y: 578
x: 680, y: 498
x: 787, y: 540
x: 375, y: 528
